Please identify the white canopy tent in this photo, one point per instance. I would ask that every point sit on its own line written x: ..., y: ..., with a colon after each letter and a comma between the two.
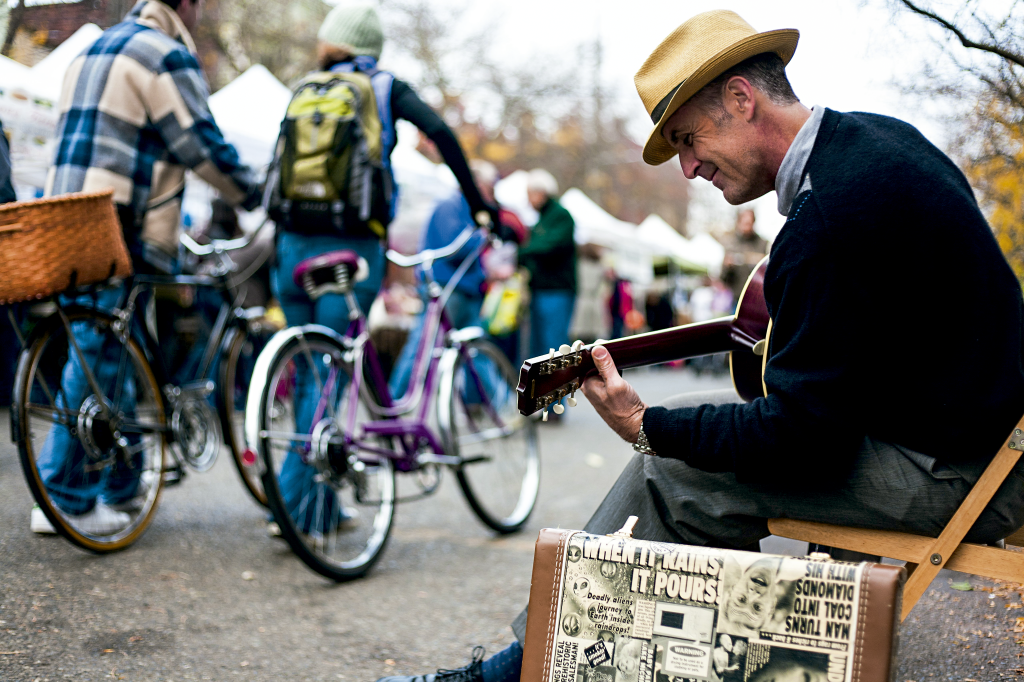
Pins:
x: 28, y: 109
x: 708, y: 252
x: 665, y: 241
x: 44, y: 80
x: 630, y: 257
x: 12, y: 73
x: 249, y: 111
x: 510, y: 192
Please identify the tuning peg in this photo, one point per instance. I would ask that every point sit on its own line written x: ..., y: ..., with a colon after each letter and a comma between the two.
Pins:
x: 551, y: 355
x: 564, y: 349
x: 558, y: 408
x: 544, y: 415
x: 571, y: 399
x: 576, y: 345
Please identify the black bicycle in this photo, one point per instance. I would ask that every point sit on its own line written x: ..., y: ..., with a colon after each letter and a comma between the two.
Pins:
x: 96, y: 414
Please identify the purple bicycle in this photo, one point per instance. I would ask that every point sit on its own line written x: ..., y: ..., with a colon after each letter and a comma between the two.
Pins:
x: 330, y: 437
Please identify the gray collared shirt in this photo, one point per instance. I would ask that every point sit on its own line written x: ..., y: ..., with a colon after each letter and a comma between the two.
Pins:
x: 791, y: 181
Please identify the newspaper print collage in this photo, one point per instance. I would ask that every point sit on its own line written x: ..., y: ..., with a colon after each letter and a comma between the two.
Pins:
x: 637, y: 611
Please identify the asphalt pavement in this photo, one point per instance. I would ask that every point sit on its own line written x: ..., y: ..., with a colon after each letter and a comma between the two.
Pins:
x: 205, y: 594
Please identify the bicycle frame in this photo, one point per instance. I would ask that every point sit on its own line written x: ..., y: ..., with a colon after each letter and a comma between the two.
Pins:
x: 124, y: 318
x: 439, y: 348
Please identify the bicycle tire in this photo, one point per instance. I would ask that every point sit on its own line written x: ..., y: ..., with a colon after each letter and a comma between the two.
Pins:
x: 43, y: 365
x: 239, y: 342
x: 501, y: 482
x: 306, y: 512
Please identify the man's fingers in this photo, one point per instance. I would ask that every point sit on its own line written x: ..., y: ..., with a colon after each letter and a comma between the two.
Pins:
x: 604, y: 363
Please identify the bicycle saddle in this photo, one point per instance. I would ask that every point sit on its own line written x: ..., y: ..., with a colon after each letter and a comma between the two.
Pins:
x: 333, y: 272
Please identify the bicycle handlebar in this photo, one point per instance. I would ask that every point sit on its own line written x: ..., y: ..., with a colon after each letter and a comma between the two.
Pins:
x: 219, y: 245
x: 430, y: 255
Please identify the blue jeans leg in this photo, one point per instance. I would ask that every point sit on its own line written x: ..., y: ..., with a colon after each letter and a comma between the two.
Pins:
x: 62, y: 461
x: 463, y: 311
x: 300, y: 492
x: 550, y: 316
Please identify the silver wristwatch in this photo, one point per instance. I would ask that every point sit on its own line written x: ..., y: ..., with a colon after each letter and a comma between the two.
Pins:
x: 642, y: 445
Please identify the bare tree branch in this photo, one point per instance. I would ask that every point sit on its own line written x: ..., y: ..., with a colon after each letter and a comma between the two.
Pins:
x: 1008, y: 55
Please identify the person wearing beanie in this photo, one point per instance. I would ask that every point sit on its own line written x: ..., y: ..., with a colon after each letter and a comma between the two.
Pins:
x: 351, y: 39
x: 856, y: 426
x: 353, y: 27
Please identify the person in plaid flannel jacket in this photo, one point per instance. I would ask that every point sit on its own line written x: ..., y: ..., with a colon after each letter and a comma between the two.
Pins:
x: 133, y: 117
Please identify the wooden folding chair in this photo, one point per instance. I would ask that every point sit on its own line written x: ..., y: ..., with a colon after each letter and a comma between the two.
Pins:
x: 926, y: 556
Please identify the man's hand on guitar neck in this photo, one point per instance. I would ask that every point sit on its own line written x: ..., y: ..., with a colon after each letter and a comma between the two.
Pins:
x: 613, y: 398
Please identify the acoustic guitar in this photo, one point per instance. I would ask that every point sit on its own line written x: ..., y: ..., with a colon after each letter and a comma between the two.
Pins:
x: 546, y: 379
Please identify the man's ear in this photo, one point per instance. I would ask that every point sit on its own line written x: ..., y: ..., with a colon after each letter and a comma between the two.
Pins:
x: 738, y: 98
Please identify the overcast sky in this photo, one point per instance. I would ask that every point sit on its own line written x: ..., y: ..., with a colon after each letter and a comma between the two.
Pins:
x: 851, y: 55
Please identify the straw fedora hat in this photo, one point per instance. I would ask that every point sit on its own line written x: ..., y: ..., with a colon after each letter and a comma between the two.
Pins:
x: 693, y: 55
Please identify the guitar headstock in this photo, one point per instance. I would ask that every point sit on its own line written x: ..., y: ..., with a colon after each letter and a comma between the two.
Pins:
x: 546, y: 379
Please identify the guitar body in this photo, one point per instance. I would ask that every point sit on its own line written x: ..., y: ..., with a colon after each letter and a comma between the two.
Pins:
x: 746, y: 368
x: 547, y: 379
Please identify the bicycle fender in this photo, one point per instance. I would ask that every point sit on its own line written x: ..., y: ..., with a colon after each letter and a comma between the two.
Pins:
x: 443, y: 403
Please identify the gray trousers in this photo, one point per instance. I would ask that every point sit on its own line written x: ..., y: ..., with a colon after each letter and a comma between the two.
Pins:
x: 890, y: 488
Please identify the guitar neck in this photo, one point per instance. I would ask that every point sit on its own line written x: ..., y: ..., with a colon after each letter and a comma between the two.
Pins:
x: 677, y: 343
x: 544, y: 380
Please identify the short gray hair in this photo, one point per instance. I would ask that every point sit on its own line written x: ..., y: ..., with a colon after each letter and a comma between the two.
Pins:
x: 542, y: 181
x: 766, y: 72
x: 484, y: 172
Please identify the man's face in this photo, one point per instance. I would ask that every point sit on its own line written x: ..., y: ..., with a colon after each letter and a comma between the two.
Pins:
x: 745, y: 223
x: 537, y: 198
x: 723, y: 152
x: 750, y: 601
x: 191, y: 11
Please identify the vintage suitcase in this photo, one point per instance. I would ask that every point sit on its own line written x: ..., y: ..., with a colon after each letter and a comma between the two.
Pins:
x: 614, y: 609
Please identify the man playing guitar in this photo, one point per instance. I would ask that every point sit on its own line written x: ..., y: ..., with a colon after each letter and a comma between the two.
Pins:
x: 881, y: 410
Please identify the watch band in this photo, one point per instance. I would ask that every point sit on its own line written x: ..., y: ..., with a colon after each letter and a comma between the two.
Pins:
x: 642, y: 445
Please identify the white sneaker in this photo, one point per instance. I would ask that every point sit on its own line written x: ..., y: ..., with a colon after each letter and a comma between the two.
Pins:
x: 100, y: 520
x: 39, y: 523
x: 134, y: 505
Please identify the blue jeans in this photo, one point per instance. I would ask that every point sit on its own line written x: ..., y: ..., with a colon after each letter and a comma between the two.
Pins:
x: 62, y: 461
x: 298, y: 488
x: 463, y: 311
x: 550, y: 316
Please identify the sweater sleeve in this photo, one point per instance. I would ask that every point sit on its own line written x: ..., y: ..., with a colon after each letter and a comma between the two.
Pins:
x: 808, y: 422
x: 177, y: 104
x: 407, y: 105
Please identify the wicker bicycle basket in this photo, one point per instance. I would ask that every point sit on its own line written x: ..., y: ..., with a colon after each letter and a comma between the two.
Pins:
x: 48, y: 245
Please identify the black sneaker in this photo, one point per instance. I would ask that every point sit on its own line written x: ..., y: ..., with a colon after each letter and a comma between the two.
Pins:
x: 469, y: 673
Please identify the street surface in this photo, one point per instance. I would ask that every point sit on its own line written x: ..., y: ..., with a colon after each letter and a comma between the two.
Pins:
x: 207, y: 595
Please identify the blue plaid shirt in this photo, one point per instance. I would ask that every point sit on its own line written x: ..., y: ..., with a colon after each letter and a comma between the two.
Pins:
x: 134, y: 116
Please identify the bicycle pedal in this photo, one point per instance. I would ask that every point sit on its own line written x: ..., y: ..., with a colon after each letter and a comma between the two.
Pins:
x: 173, y: 476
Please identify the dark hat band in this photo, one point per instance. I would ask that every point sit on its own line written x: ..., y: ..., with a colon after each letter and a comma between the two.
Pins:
x: 659, y: 110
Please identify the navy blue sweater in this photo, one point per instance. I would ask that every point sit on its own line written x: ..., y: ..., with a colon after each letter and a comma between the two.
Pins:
x: 894, y: 312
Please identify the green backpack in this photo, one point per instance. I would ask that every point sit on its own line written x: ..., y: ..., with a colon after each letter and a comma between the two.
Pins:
x: 332, y: 175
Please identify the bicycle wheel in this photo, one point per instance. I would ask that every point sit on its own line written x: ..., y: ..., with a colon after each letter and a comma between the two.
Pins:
x: 334, y: 505
x: 237, y: 361
x: 92, y: 459
x: 500, y: 469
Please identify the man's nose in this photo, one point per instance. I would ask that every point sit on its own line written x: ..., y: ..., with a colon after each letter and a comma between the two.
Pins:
x: 689, y: 163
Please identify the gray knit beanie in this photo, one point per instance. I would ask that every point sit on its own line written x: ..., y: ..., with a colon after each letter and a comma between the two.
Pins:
x: 355, y: 27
